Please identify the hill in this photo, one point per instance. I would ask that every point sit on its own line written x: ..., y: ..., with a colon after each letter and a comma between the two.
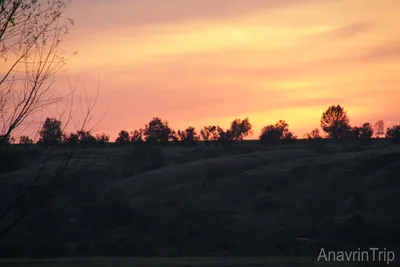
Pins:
x: 234, y: 201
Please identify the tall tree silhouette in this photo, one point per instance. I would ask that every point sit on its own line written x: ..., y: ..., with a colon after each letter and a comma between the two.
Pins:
x: 123, y: 138
x: 30, y: 35
x: 39, y: 184
x: 366, y: 131
x: 209, y: 133
x: 137, y: 136
x: 240, y: 129
x: 225, y: 137
x: 157, y: 132
x: 314, y: 134
x: 335, y: 122
x: 188, y: 137
x: 379, y: 128
x: 51, y: 132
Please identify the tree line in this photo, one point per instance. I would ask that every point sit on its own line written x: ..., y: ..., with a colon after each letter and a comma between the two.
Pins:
x: 334, y: 123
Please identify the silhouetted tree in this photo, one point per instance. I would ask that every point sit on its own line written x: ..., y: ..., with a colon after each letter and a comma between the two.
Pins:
x: 30, y: 35
x: 225, y: 137
x: 240, y: 129
x: 70, y: 140
x: 335, y: 122
x: 157, y: 132
x: 363, y: 133
x: 51, y: 132
x: 283, y: 127
x: 352, y: 134
x: 40, y: 182
x: 137, y: 136
x: 288, y: 138
x: 314, y: 134
x: 178, y: 137
x: 123, y: 138
x: 25, y: 141
x: 270, y: 135
x: 102, y: 139
x: 379, y: 128
x: 275, y: 134
x: 86, y: 139
x: 188, y: 137
x: 393, y: 133
x: 366, y: 133
x: 174, y: 137
x: 209, y: 133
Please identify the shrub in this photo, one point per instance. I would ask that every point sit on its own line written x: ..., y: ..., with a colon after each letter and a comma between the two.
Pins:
x: 270, y: 135
x: 394, y: 134
x: 277, y: 134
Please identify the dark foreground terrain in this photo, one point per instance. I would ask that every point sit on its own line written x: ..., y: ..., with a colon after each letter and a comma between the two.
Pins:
x: 182, y: 262
x: 239, y: 201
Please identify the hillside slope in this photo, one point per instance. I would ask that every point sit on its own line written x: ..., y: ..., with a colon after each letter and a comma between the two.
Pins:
x: 255, y: 203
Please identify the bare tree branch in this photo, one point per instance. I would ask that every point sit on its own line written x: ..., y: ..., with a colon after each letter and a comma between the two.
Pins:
x: 30, y: 36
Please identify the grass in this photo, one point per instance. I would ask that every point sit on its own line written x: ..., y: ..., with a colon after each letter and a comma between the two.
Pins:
x: 240, y: 201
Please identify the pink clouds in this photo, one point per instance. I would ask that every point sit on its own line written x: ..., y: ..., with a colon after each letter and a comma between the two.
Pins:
x: 192, y: 60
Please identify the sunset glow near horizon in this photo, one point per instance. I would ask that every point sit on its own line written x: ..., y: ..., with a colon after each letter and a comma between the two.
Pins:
x: 203, y: 62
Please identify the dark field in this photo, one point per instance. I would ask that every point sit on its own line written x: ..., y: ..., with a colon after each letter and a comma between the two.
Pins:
x: 275, y: 203
x: 185, y: 262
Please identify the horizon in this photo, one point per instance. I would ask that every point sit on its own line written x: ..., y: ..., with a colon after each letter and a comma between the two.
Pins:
x: 197, y: 63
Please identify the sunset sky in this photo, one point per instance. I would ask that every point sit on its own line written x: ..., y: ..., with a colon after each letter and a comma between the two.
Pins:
x: 201, y: 62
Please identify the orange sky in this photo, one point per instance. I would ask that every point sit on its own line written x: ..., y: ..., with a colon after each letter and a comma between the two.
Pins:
x: 201, y: 62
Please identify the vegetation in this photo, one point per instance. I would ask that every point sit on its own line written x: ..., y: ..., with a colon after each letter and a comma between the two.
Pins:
x: 35, y: 55
x: 239, y: 200
x: 158, y: 191
x: 394, y: 133
x: 276, y: 134
x: 51, y: 133
x: 335, y: 123
x: 379, y: 128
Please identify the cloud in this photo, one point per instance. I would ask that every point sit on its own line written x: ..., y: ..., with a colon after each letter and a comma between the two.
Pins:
x: 192, y: 60
x: 350, y: 30
x: 325, y: 65
x: 160, y: 12
x: 343, y: 32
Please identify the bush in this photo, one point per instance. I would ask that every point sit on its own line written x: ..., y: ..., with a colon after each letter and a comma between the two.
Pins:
x: 270, y: 136
x: 394, y: 134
